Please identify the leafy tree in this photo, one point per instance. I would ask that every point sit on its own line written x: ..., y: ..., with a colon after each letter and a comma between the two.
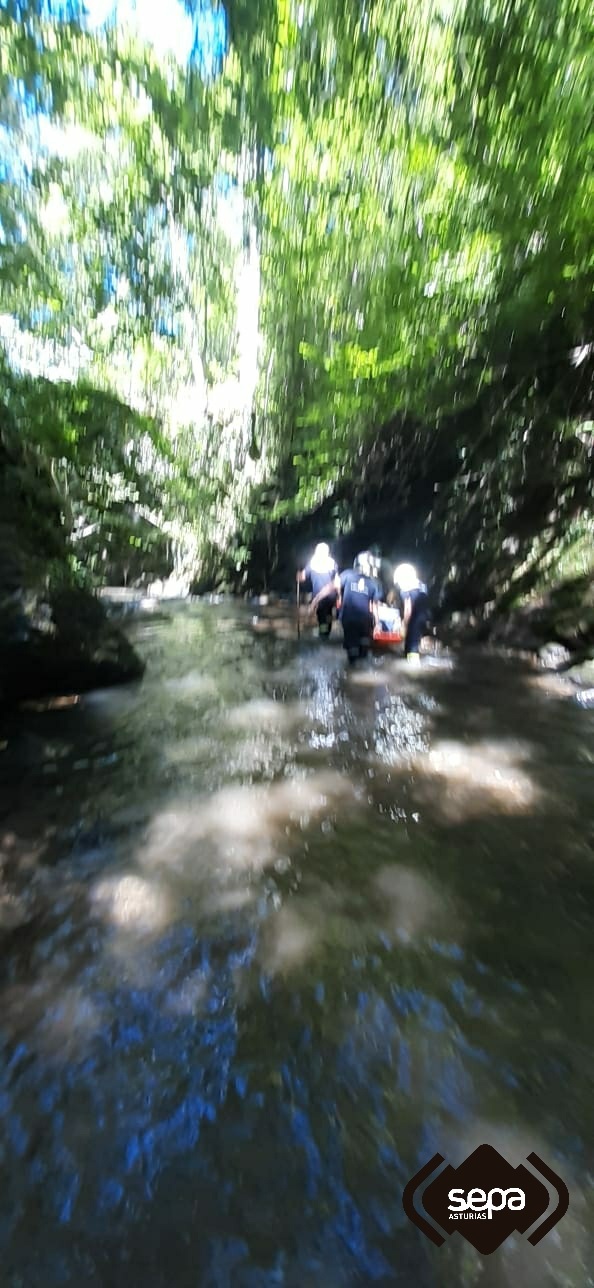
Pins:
x: 418, y: 181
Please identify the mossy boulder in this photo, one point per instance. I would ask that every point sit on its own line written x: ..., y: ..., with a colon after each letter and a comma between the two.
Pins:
x: 61, y: 643
x: 54, y: 637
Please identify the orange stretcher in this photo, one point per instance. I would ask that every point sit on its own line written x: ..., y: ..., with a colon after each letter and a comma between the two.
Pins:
x: 382, y: 638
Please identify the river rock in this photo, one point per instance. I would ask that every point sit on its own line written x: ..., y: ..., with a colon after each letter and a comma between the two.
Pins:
x: 61, y: 643
x: 553, y: 656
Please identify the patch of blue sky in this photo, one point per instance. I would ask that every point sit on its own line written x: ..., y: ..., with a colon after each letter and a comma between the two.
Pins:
x: 195, y: 32
x: 110, y: 280
x: 167, y: 27
x: 223, y: 183
x: 210, y: 39
x: 41, y: 316
x: 27, y: 94
x: 63, y: 10
x: 167, y: 327
x: 199, y: 37
x: 7, y: 151
x: 15, y: 160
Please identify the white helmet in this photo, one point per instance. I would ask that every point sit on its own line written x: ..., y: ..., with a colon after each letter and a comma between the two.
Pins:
x: 364, y: 563
x: 405, y: 577
x: 321, y: 560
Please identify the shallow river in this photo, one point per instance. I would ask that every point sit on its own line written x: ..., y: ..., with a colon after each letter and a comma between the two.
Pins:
x: 272, y: 934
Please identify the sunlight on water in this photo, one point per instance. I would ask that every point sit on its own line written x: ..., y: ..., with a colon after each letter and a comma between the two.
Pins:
x: 294, y: 933
x: 239, y: 826
x: 468, y: 776
x: 132, y: 903
x: 265, y: 714
x: 292, y: 939
x: 194, y: 683
x: 399, y: 731
x: 412, y: 905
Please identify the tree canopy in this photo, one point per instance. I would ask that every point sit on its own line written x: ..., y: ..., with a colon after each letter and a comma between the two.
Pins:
x: 341, y: 249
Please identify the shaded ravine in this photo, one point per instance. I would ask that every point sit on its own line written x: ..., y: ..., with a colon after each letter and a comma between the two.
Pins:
x: 273, y: 933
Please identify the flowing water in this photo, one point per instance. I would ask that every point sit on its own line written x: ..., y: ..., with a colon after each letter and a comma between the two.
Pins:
x: 272, y: 934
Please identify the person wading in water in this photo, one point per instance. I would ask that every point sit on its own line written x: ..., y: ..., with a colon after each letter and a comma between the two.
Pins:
x: 415, y: 609
x: 359, y: 597
x: 321, y: 572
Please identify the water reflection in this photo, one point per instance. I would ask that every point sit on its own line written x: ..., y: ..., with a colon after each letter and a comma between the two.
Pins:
x: 285, y: 934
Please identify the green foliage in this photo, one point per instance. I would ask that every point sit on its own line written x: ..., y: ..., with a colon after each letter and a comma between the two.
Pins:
x: 419, y: 179
x: 427, y: 251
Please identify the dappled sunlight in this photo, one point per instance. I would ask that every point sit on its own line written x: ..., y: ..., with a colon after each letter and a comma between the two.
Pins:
x: 369, y: 677
x: 413, y: 906
x: 189, y: 751
x: 275, y: 928
x: 465, y: 779
x: 326, y: 712
x: 227, y: 945
x: 265, y: 714
x: 550, y: 683
x: 132, y: 903
x: 325, y: 918
x: 399, y: 732
x: 290, y: 940
x: 228, y: 899
x: 193, y: 684
x: 239, y: 827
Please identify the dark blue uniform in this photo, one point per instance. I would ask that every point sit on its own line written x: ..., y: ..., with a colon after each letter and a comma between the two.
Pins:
x: 318, y: 580
x: 358, y: 593
x: 419, y: 617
